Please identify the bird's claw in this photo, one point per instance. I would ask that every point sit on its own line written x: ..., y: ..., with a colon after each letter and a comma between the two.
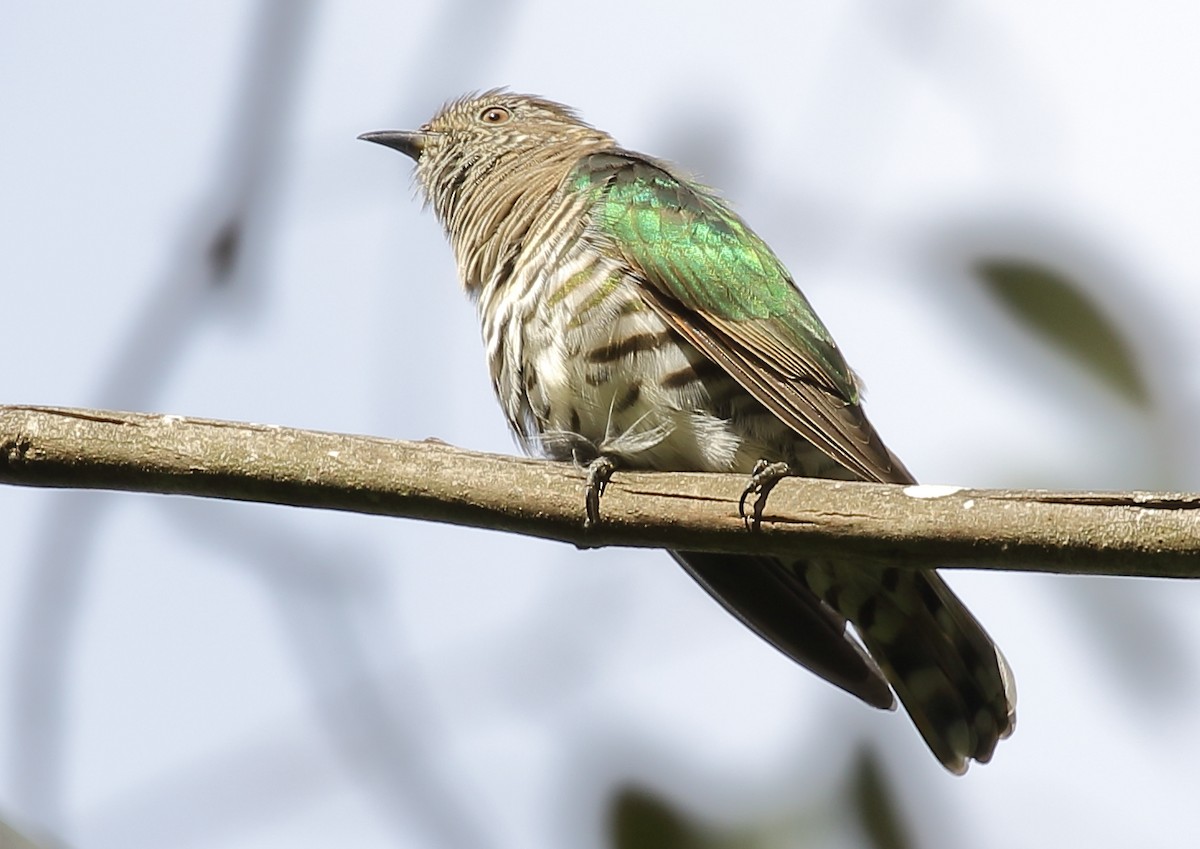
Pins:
x: 599, y: 473
x: 762, y: 480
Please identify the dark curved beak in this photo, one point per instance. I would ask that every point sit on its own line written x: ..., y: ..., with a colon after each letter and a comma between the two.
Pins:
x: 409, y: 142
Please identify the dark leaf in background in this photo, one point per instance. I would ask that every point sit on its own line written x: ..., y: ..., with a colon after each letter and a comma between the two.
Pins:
x: 1057, y: 309
x: 639, y: 819
x: 1126, y: 624
x: 875, y: 804
x: 223, y: 250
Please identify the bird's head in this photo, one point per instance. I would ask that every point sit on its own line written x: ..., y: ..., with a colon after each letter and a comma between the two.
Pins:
x: 488, y: 135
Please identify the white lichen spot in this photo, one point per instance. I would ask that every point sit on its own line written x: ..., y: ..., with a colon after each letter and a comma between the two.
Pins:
x: 931, y: 490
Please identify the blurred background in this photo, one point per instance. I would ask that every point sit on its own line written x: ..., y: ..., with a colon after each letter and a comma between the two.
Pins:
x: 993, y: 206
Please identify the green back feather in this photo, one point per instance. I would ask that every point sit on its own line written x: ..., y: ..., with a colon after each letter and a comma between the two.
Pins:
x: 700, y: 253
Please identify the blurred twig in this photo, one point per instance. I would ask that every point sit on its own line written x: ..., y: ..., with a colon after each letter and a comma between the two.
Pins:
x: 1141, y: 534
x: 10, y: 838
x: 213, y: 261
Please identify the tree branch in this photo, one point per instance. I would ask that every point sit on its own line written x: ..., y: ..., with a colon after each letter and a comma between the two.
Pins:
x: 1136, y: 533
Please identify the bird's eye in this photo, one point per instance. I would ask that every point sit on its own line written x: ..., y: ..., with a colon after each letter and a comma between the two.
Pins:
x: 494, y: 115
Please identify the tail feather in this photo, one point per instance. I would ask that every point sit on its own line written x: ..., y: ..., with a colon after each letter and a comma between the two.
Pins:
x: 775, y: 603
x: 949, y: 675
x: 918, y: 638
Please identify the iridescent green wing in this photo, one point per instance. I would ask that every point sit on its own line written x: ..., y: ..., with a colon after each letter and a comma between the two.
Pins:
x: 719, y: 285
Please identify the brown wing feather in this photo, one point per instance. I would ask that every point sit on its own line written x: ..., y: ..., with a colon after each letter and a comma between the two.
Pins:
x: 832, y: 424
x: 774, y: 602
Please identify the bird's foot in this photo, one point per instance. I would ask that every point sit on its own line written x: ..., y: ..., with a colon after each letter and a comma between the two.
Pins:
x: 762, y: 481
x: 599, y: 473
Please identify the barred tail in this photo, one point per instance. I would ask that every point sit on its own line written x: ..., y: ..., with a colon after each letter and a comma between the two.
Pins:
x: 919, y: 639
x: 950, y: 676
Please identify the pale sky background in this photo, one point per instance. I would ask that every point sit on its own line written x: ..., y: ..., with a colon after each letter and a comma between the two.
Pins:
x: 184, y: 673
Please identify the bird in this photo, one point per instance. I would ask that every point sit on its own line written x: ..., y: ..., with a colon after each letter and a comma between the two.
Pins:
x: 632, y: 320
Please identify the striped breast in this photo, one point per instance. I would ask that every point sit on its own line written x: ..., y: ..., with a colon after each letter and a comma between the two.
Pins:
x: 582, y: 367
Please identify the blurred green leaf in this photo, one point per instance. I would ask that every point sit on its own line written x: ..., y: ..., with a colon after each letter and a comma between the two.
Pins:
x: 875, y: 804
x: 641, y: 820
x: 1056, y: 308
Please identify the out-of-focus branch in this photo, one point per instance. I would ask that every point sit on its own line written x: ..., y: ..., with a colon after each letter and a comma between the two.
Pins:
x: 10, y: 838
x: 1137, y: 533
x: 215, y: 259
